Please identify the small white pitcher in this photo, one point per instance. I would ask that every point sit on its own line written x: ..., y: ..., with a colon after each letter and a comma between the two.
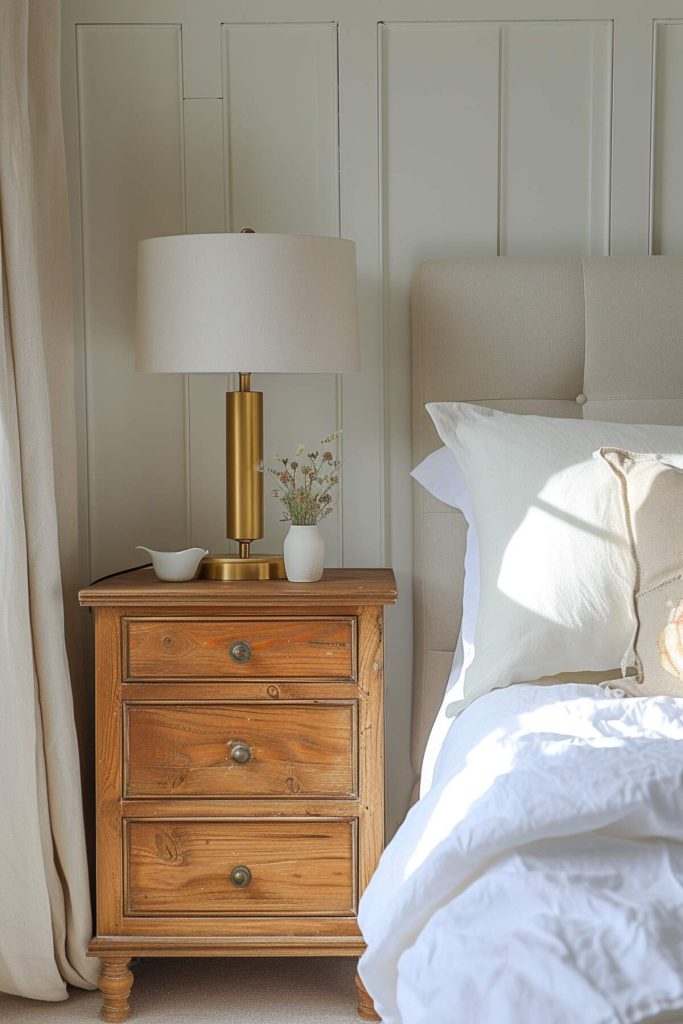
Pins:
x: 174, y: 566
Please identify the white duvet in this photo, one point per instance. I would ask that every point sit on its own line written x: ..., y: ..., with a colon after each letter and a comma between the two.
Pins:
x: 540, y: 881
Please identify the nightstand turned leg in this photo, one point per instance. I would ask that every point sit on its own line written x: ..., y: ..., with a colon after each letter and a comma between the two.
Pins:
x: 366, y: 1007
x: 116, y: 982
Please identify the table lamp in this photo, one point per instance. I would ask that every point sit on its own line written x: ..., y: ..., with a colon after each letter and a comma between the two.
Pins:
x: 244, y: 303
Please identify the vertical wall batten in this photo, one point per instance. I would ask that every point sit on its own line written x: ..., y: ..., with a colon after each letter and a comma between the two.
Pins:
x: 631, y: 115
x: 653, y: 128
x: 499, y: 169
x: 667, y: 138
x: 600, y: 144
x: 362, y: 401
x: 339, y: 391
x: 74, y: 166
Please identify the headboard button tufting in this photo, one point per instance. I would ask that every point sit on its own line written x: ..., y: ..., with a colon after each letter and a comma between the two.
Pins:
x: 581, y: 399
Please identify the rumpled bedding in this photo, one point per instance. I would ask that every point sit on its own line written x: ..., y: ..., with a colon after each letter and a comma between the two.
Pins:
x: 540, y: 881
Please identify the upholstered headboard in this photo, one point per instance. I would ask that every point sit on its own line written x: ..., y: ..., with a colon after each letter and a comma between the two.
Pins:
x: 600, y: 338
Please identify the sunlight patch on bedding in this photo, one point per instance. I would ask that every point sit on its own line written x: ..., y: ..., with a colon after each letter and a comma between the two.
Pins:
x: 579, y: 720
x: 557, y: 526
x: 564, y: 722
x: 551, y: 729
x: 554, y: 727
x: 490, y: 758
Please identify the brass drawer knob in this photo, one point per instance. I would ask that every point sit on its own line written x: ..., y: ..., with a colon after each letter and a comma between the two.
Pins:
x: 240, y: 752
x: 240, y: 876
x: 240, y: 652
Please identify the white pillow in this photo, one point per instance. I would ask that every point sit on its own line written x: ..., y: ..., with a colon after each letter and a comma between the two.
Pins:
x: 553, y: 552
x: 440, y: 474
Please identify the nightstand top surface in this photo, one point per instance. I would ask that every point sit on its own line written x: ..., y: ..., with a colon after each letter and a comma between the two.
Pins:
x: 341, y: 587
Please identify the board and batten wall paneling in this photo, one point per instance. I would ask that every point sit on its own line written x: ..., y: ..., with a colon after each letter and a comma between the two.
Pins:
x: 280, y: 174
x: 419, y: 128
x: 281, y: 132
x: 555, y: 123
x: 131, y: 162
x: 439, y: 186
x: 667, y: 139
x: 512, y: 158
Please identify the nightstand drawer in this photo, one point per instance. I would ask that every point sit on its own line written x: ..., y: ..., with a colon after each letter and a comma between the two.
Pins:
x: 240, y: 766
x: 296, y: 648
x: 240, y: 750
x: 240, y: 868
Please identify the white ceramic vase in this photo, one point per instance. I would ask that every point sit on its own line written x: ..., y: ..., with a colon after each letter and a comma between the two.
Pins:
x: 304, y: 551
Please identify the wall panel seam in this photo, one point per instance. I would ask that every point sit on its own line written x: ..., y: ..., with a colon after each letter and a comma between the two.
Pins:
x: 186, y: 380
x: 653, y: 101
x: 84, y: 347
x: 610, y: 151
x: 385, y: 420
x: 499, y: 189
x: 339, y: 384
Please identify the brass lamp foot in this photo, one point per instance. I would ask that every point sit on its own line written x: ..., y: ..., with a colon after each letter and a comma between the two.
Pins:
x: 255, y: 567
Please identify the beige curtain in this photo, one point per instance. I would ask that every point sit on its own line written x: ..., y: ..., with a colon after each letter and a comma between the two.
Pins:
x: 45, y: 921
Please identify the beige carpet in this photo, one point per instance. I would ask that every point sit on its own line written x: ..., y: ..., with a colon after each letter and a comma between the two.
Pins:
x: 204, y: 991
x: 247, y: 991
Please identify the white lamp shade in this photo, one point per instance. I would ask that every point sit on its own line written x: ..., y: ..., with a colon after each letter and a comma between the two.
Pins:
x: 247, y: 303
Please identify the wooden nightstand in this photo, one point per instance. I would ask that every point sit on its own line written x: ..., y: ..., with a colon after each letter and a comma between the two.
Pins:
x: 240, y: 778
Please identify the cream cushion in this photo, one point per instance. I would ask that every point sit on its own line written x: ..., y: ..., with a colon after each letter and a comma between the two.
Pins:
x: 652, y: 496
x: 555, y: 563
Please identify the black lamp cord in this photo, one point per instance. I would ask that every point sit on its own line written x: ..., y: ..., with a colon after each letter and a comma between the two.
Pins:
x: 121, y: 572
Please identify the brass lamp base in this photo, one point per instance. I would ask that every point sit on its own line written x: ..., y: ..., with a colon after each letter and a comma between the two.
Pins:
x: 255, y: 567
x: 244, y: 477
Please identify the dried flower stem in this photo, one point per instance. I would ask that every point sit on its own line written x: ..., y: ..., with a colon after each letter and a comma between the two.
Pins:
x: 305, y: 488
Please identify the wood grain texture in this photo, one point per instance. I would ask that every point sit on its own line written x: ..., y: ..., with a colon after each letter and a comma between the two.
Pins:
x: 296, y: 648
x: 296, y: 867
x: 240, y: 807
x: 274, y: 944
x: 265, y: 691
x: 164, y: 864
x: 294, y: 750
x: 108, y: 769
x: 338, y: 587
x: 371, y: 743
x: 115, y: 984
x: 228, y: 931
